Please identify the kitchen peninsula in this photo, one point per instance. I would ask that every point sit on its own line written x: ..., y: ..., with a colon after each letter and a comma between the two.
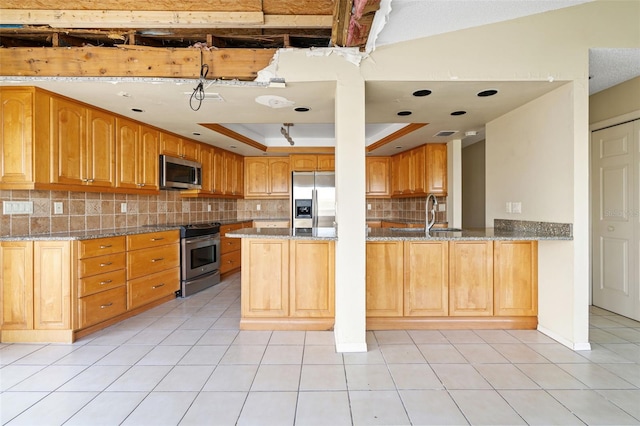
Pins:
x: 471, y: 278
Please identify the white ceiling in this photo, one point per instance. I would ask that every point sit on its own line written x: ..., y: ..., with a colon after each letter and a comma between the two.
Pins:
x: 165, y: 102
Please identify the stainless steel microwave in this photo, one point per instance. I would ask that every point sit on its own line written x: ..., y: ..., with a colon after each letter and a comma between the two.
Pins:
x: 178, y: 173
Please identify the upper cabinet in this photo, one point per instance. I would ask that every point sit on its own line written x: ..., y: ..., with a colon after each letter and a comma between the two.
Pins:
x: 17, y: 136
x: 175, y: 146
x: 266, y: 177
x: 234, y: 174
x: 420, y: 171
x: 137, y: 156
x: 312, y: 162
x: 378, y: 183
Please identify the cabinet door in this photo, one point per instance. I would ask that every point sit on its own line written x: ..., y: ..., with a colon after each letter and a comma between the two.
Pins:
x: 170, y: 145
x: 127, y: 133
x: 229, y: 171
x: 471, y: 278
x: 101, y: 149
x: 326, y: 163
x: 148, y: 159
x: 395, y: 175
x: 406, y: 173
x: 426, y: 278
x: 436, y: 180
x: 279, y: 177
x: 312, y: 279
x: 384, y: 279
x: 303, y: 162
x: 16, y: 136
x: 515, y: 277
x: 52, y: 285
x: 377, y: 179
x: 206, y: 159
x: 16, y: 285
x: 265, y: 282
x: 190, y: 150
x: 256, y: 177
x: 219, y: 174
x: 418, y: 162
x: 68, y: 142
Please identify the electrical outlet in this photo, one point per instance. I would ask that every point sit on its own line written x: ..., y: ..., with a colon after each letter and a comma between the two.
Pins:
x: 258, y: 207
x: 17, y: 207
x: 58, y: 208
x: 516, y: 207
x: 442, y: 207
x: 208, y: 207
x: 123, y: 207
x: 368, y: 206
x: 508, y: 207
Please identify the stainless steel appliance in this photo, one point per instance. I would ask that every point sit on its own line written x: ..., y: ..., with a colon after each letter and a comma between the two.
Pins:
x: 178, y: 173
x: 199, y: 257
x: 313, y: 199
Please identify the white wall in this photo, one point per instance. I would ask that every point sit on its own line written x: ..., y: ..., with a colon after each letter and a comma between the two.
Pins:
x: 473, y: 185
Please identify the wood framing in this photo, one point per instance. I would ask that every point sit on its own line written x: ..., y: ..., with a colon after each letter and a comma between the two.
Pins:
x: 396, y: 135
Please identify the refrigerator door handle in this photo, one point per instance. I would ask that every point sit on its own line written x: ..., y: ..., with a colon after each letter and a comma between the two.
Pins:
x: 314, y: 208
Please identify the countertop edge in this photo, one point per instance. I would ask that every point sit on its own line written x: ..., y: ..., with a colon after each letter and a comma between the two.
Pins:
x: 89, y: 235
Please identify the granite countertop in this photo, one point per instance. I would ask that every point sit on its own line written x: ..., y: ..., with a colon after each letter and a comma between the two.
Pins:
x: 400, y: 234
x: 90, y: 235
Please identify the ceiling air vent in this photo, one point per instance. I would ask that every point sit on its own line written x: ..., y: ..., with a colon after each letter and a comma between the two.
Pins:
x: 209, y: 96
x: 444, y: 133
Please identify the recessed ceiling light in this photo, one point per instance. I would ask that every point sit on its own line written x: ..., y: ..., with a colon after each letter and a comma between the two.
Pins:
x: 196, y: 134
x: 486, y: 93
x: 137, y: 110
x: 404, y: 113
x: 398, y: 147
x: 422, y: 92
x: 302, y: 109
x: 458, y: 112
x: 232, y: 146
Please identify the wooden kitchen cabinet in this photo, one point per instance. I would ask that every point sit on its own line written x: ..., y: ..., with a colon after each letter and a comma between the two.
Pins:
x: 52, y: 285
x: 206, y: 159
x: 312, y: 279
x: 515, y: 275
x: 153, y: 267
x: 136, y: 156
x: 176, y: 146
x: 378, y: 183
x: 426, y: 278
x: 420, y: 171
x: 16, y: 285
x: 266, y: 177
x: 436, y: 168
x: 265, y: 281
x: 230, y: 248
x: 17, y: 137
x: 303, y: 162
x: 471, y: 278
x: 234, y: 175
x: 384, y: 278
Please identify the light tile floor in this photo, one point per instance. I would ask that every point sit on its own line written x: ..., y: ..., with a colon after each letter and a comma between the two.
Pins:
x: 186, y: 363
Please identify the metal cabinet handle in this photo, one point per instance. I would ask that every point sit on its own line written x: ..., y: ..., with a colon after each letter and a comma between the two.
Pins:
x: 105, y: 282
x: 106, y: 305
x: 157, y: 286
x: 90, y: 180
x: 157, y: 260
x: 106, y: 246
x: 106, y: 264
x: 157, y: 239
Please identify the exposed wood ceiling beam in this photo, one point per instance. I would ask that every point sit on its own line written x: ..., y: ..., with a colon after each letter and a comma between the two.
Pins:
x: 341, y: 17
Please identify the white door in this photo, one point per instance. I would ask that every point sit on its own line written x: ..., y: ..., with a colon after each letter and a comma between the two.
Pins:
x: 615, y: 247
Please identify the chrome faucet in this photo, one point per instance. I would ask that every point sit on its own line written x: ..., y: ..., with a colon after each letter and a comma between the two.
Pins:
x: 429, y: 223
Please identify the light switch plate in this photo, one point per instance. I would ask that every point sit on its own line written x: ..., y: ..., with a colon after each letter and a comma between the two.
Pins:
x: 516, y: 207
x: 123, y: 207
x: 58, y: 208
x: 508, y: 207
x: 208, y: 207
x: 17, y: 207
x: 258, y: 207
x: 368, y: 206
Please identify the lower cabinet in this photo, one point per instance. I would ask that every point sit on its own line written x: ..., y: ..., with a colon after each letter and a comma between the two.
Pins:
x: 426, y: 278
x: 230, y: 254
x: 471, y: 278
x: 515, y: 278
x: 287, y: 284
x: 384, y: 278
x: 57, y: 291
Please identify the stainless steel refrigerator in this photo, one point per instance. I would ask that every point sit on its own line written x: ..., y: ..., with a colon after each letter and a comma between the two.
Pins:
x: 313, y: 199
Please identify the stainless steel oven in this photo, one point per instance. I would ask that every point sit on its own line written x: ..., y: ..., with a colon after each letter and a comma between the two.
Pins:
x: 200, y: 257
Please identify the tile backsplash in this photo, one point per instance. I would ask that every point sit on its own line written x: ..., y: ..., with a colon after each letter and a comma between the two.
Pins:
x: 88, y: 211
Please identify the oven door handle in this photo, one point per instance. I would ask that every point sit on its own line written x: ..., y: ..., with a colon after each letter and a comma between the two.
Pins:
x: 213, y: 237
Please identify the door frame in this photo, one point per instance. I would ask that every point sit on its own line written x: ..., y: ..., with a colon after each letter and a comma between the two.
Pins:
x: 600, y: 125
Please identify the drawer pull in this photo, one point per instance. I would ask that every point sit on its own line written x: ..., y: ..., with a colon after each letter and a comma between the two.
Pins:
x: 106, y: 246
x: 157, y: 239
x: 106, y: 264
x: 106, y: 305
x: 157, y: 260
x: 105, y: 282
x: 157, y: 286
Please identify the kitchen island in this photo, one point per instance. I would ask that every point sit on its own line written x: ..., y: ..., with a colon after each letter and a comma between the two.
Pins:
x: 472, y: 278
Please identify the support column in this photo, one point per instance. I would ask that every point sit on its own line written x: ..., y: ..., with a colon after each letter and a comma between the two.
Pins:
x: 350, y: 322
x: 454, y: 183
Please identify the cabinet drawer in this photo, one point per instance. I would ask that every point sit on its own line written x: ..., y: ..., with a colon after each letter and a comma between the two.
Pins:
x: 102, y: 306
x: 230, y: 227
x: 152, y: 239
x: 100, y: 246
x: 100, y: 264
x: 228, y: 245
x: 102, y: 282
x: 152, y: 287
x: 151, y: 260
x: 229, y: 261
